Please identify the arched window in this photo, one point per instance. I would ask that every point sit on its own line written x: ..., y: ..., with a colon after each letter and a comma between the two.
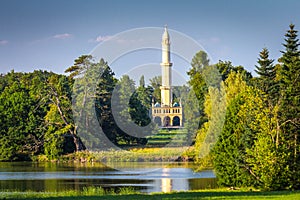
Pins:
x: 157, y: 120
x: 167, y: 121
x: 176, y: 121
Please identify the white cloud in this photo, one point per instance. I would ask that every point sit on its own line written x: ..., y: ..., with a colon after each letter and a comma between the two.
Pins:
x: 101, y: 38
x: 3, y: 42
x: 62, y: 36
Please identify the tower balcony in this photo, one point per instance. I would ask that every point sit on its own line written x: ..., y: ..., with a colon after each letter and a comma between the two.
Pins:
x: 166, y: 110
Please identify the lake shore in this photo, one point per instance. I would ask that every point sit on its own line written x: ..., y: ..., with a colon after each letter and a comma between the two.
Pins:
x: 94, y: 193
x: 166, y: 154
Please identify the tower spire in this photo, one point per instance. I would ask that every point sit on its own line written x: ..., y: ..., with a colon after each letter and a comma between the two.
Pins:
x: 166, y: 93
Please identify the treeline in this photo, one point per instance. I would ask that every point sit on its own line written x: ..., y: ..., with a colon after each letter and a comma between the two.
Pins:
x: 38, y: 110
x: 35, y: 109
x: 250, y: 130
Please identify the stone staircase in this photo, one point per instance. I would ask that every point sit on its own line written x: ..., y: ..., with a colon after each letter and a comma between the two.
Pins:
x: 170, y: 137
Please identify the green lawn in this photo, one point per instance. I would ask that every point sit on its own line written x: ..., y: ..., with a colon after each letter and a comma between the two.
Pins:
x: 203, y: 194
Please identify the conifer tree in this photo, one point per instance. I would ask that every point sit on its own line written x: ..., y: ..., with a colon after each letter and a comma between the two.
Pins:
x: 289, y: 108
x: 198, y: 85
x: 103, y: 104
x: 266, y: 71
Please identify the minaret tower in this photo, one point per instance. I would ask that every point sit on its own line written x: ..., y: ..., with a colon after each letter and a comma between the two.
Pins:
x: 166, y: 67
x: 167, y: 114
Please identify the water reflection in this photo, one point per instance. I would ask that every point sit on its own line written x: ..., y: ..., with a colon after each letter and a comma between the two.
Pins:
x: 166, y: 184
x: 145, y: 177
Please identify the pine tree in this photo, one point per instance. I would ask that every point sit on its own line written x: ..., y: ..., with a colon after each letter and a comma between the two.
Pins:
x: 103, y: 104
x: 289, y: 108
x: 266, y: 71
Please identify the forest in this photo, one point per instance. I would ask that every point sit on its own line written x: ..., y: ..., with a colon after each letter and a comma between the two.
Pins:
x: 245, y: 127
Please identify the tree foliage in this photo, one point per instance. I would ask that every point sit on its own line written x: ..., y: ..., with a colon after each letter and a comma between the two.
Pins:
x: 259, y: 143
x: 29, y: 110
x: 289, y: 105
x: 237, y: 134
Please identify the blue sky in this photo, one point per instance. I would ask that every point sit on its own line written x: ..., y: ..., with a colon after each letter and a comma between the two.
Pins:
x: 50, y: 34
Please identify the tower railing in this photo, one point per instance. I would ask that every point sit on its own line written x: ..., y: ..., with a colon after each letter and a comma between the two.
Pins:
x: 166, y: 110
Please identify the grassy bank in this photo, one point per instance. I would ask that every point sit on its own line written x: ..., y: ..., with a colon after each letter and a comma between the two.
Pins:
x: 166, y: 154
x: 127, y: 193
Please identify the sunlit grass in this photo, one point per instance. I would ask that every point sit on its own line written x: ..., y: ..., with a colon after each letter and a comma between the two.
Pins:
x: 140, y: 154
x: 86, y: 191
x: 129, y: 194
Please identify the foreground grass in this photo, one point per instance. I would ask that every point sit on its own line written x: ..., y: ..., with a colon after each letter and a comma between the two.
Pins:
x: 129, y: 194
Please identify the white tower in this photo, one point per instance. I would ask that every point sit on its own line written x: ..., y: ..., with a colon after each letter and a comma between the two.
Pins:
x: 166, y: 89
x: 165, y: 113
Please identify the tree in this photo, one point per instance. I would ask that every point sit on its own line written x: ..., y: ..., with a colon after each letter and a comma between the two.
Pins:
x: 192, y: 115
x: 22, y: 110
x: 155, y: 83
x: 199, y: 87
x: 81, y: 66
x: 215, y: 107
x: 289, y: 107
x: 123, y: 92
x: 124, y: 89
x: 142, y: 81
x: 15, y: 106
x: 238, y: 133
x: 59, y: 119
x: 103, y: 104
x: 139, y: 104
x: 267, y: 74
x: 85, y: 74
x: 226, y: 67
x: 267, y: 160
x: 199, y: 62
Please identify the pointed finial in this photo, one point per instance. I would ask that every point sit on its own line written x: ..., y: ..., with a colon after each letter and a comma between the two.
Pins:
x: 166, y: 34
x: 166, y: 28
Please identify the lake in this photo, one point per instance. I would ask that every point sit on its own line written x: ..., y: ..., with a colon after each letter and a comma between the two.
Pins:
x: 143, y: 176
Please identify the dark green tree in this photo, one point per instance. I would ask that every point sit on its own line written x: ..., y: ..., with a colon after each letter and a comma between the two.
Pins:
x: 226, y: 67
x: 15, y: 110
x: 140, y: 103
x: 23, y: 104
x: 81, y: 65
x: 85, y: 73
x: 289, y: 107
x: 199, y: 87
x: 267, y: 74
x: 103, y: 104
x: 155, y: 83
x: 121, y: 107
